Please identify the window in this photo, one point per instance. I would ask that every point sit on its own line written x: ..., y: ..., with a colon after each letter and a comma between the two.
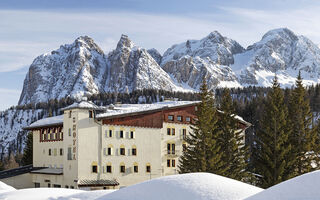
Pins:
x: 168, y: 131
x: 135, y: 169
x: 173, y: 148
x: 188, y: 119
x: 173, y: 163
x: 69, y: 154
x: 122, y: 168
x: 69, y: 132
x: 173, y: 131
x: 109, y: 169
x: 148, y: 168
x: 49, y: 185
x: 66, y: 186
x: 184, y: 147
x: 90, y: 114
x: 179, y: 118
x: 61, y: 152
x: 122, y: 151
x: 109, y: 152
x: 184, y: 133
x: 70, y: 114
x: 121, y: 134
x: 168, y: 163
x: 49, y: 152
x: 72, y: 187
x: 36, y: 185
x: 169, y: 148
x: 131, y: 134
x: 110, y: 133
x: 170, y: 117
x: 134, y: 151
x: 94, y: 169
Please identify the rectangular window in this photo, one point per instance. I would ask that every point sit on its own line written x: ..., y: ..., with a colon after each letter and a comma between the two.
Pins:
x: 49, y: 185
x: 179, y: 118
x: 169, y: 148
x: 173, y: 149
x: 90, y: 114
x: 61, y: 152
x: 184, y: 147
x: 168, y: 131
x: 173, y: 131
x: 110, y: 133
x: 122, y: 169
x: 69, y: 132
x: 122, y: 151
x: 36, y: 185
x: 109, y: 169
x: 188, y: 119
x: 94, y: 169
x: 184, y: 133
x: 49, y: 152
x: 173, y: 163
x: 148, y: 168
x: 70, y: 113
x: 135, y: 169
x: 69, y: 153
x: 121, y: 134
x: 134, y: 151
x: 168, y: 163
x: 170, y: 117
x: 109, y: 151
x: 131, y: 134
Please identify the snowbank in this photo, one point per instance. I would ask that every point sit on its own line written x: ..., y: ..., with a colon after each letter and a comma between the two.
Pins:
x: 5, y: 188
x: 304, y: 187
x: 192, y: 186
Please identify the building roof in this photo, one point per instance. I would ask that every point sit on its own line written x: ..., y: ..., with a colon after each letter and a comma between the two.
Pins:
x: 50, y: 121
x: 17, y: 171
x: 84, y: 105
x: 125, y: 109
x: 102, y: 182
x: 48, y: 170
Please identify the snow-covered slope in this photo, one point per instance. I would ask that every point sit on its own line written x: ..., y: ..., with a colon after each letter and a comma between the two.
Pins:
x: 5, y: 188
x: 188, y: 62
x: 282, y: 52
x: 304, y: 187
x: 200, y: 186
x: 196, y: 186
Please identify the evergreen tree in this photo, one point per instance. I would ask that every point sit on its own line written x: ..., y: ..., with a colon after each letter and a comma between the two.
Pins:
x: 27, y: 157
x: 203, y: 153
x: 232, y: 140
x: 304, y: 136
x: 272, y: 149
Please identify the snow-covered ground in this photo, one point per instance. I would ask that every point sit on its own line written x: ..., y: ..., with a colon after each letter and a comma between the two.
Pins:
x: 304, y: 187
x: 5, y: 188
x: 195, y: 186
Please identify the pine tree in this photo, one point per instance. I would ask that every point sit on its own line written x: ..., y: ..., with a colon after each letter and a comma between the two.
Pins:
x: 203, y: 153
x: 272, y: 149
x: 28, y: 151
x: 304, y: 136
x: 232, y: 140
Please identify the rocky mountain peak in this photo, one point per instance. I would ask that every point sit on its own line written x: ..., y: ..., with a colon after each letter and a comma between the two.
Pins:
x: 124, y: 42
x: 283, y: 33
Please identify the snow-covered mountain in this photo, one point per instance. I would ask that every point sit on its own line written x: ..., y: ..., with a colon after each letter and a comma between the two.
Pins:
x: 188, y: 62
x: 82, y: 68
x: 282, y: 52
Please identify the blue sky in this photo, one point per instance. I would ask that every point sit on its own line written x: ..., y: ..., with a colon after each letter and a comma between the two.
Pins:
x: 33, y: 27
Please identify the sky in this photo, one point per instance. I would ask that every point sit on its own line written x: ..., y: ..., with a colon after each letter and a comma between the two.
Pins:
x: 31, y: 28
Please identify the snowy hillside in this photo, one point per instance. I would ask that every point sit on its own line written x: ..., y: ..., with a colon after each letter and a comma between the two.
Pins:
x: 11, y: 123
x: 178, y: 187
x: 304, y: 187
x: 5, y: 188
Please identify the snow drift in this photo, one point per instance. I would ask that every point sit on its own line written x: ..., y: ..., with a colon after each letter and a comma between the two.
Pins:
x: 5, y: 188
x: 304, y: 187
x: 192, y: 186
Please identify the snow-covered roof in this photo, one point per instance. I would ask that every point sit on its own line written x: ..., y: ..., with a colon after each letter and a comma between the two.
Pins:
x: 137, y: 108
x: 50, y: 121
x: 84, y: 105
